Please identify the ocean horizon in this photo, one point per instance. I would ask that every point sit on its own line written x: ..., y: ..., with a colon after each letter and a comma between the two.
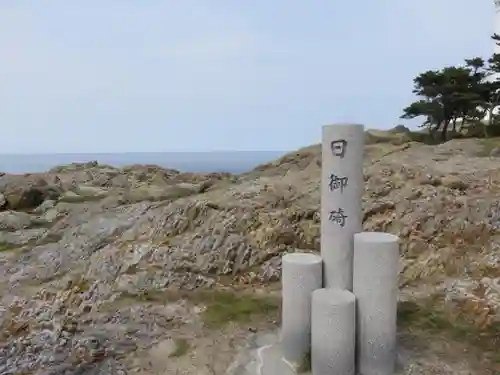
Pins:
x: 200, y: 162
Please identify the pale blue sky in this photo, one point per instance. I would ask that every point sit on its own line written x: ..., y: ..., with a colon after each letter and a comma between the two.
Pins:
x: 192, y: 75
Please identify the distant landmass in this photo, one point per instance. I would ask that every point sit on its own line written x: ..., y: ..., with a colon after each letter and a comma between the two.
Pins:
x: 217, y: 161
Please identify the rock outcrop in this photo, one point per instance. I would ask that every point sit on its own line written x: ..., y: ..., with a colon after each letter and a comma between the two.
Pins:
x: 79, y: 237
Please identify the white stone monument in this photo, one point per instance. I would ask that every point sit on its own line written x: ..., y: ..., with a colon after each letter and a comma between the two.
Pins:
x: 301, y: 275
x: 333, y: 332
x: 375, y: 284
x: 342, y: 187
x: 339, y: 307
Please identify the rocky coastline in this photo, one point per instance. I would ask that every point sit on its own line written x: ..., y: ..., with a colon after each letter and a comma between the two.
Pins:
x: 100, y: 265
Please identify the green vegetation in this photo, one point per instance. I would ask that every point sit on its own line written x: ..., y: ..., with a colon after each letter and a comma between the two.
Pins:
x: 223, y: 307
x: 458, y: 97
x: 415, y: 316
x: 488, y: 145
x: 4, y: 246
x: 428, y: 319
x: 181, y: 348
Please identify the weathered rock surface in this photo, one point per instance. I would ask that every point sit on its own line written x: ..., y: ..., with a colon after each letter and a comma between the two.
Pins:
x: 83, y: 236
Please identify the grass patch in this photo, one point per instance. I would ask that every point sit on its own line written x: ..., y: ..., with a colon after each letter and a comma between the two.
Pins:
x: 223, y: 307
x: 488, y: 145
x: 411, y: 314
x: 426, y: 318
x: 4, y: 246
x: 181, y: 348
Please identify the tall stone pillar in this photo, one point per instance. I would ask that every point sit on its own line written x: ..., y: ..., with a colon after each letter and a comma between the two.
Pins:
x: 375, y: 285
x: 301, y: 275
x: 342, y: 187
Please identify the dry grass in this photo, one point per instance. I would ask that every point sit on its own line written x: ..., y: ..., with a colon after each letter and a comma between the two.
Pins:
x: 426, y: 319
x: 488, y: 145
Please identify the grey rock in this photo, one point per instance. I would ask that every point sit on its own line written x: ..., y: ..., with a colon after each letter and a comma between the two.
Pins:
x: 45, y: 206
x: 12, y: 220
x: 22, y: 237
x: 89, y: 287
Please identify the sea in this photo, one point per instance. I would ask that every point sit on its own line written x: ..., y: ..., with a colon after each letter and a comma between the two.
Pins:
x: 217, y: 161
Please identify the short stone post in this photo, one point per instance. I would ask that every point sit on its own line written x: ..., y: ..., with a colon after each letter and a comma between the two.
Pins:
x: 333, y: 332
x: 301, y: 275
x: 375, y: 284
x: 342, y: 187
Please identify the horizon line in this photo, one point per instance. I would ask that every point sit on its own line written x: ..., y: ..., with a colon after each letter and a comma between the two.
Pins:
x: 138, y: 152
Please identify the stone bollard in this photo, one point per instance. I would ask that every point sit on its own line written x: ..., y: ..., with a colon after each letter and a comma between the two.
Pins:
x: 375, y: 284
x: 342, y: 187
x: 301, y: 275
x: 333, y: 332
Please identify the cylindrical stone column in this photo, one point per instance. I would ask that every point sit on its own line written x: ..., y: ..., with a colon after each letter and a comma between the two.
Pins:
x: 333, y: 332
x: 342, y: 187
x: 375, y: 284
x: 301, y: 275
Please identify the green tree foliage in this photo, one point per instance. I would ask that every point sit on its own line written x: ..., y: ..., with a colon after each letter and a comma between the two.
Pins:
x: 453, y: 95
